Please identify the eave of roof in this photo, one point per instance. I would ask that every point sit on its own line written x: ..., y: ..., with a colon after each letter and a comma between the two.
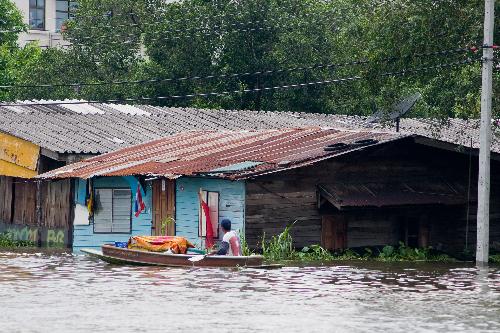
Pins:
x: 91, y: 129
x: 201, y: 152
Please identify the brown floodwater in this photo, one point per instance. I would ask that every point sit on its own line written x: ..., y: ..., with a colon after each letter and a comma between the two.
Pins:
x: 54, y: 292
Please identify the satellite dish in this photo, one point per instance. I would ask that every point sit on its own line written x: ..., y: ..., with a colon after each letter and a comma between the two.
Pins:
x: 398, y: 110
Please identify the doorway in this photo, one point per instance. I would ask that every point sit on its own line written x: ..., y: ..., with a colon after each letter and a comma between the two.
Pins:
x: 163, y: 208
x: 333, y: 232
x: 415, y: 231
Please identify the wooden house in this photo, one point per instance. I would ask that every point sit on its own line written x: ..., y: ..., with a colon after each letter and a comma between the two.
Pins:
x: 345, y: 188
x: 39, y: 136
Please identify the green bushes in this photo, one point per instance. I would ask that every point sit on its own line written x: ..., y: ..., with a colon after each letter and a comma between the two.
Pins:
x: 280, y: 248
x: 8, y: 241
x: 245, y: 250
x: 495, y: 258
x: 405, y: 253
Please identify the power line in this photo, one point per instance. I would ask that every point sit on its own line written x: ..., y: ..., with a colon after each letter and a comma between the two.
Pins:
x: 201, y: 32
x: 235, y: 75
x: 273, y: 88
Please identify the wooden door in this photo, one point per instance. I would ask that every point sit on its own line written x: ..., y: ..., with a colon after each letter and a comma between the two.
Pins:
x: 163, y: 207
x: 333, y: 233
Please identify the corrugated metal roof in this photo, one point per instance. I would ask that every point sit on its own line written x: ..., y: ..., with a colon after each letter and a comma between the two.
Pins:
x: 451, y: 130
x: 391, y: 193
x: 101, y: 128
x: 202, y: 152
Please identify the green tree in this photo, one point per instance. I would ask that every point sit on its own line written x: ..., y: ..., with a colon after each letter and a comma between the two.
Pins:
x: 13, y: 60
x: 133, y: 40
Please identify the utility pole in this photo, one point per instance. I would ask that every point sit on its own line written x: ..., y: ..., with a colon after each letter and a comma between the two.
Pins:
x: 483, y: 204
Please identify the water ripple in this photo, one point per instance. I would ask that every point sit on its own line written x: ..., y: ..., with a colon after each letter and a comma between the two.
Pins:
x: 60, y: 292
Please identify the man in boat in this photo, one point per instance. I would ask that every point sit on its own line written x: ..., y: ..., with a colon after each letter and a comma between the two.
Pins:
x: 230, y: 244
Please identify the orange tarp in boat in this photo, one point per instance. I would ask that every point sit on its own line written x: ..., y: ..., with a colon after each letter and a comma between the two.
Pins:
x: 160, y: 243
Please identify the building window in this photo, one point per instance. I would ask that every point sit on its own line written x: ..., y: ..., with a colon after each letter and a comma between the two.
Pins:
x: 64, y: 12
x: 212, y: 199
x: 112, y: 211
x: 37, y: 14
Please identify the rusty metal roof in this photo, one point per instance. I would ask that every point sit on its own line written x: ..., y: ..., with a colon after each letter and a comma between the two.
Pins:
x: 215, y: 153
x: 101, y: 128
x: 395, y: 193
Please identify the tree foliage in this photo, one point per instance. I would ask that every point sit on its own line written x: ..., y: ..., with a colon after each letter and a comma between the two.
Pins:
x: 135, y: 40
x: 13, y: 60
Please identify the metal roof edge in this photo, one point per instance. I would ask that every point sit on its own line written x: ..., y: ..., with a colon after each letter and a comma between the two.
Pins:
x: 324, y: 158
x: 437, y: 143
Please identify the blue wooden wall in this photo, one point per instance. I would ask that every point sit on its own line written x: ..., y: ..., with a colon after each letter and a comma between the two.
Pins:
x: 231, y: 204
x: 83, y: 235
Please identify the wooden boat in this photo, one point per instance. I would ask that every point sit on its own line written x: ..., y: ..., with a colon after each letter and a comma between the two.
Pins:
x: 117, y: 255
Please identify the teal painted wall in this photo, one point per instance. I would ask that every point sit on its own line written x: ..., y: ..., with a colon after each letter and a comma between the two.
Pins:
x: 83, y: 235
x: 231, y: 204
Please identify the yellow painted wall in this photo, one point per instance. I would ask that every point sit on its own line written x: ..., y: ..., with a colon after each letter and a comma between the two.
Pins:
x: 18, y: 157
x: 10, y: 169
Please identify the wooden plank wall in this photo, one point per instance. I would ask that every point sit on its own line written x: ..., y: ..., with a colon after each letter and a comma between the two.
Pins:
x: 275, y: 200
x: 449, y: 230
x: 56, y: 205
x: 24, y: 202
x: 6, y: 188
x: 18, y: 210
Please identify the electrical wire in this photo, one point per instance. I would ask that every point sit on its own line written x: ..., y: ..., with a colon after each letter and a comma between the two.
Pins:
x: 244, y: 74
x: 167, y: 35
x: 272, y: 88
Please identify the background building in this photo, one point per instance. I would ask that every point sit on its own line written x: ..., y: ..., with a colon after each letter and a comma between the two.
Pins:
x: 44, y: 19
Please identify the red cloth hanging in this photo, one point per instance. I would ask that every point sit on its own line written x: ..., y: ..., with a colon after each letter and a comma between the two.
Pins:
x: 209, y: 238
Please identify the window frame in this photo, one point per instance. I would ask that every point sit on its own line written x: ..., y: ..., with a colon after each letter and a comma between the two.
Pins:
x: 112, y: 202
x: 36, y: 8
x: 68, y: 12
x: 200, y: 218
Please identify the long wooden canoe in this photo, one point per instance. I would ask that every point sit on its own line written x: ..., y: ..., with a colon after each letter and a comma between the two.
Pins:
x: 113, y: 254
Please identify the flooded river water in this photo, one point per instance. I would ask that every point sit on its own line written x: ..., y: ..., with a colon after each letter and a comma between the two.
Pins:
x: 66, y: 293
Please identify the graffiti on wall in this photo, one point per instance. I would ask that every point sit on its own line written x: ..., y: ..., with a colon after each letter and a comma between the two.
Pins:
x: 55, y: 238
x: 49, y: 237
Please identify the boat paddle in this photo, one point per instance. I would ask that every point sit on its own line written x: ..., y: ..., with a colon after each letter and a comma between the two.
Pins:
x: 197, y: 258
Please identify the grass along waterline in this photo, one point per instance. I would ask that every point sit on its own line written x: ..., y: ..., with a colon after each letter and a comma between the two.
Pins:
x: 280, y: 248
x: 7, y: 241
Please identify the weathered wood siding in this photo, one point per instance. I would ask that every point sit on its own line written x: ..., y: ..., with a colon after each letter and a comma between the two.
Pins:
x: 24, y: 202
x: 84, y: 236
x: 231, y: 204
x: 276, y: 200
x: 449, y: 234
x: 56, y: 203
x: 6, y: 189
x: 18, y: 211
x: 273, y: 202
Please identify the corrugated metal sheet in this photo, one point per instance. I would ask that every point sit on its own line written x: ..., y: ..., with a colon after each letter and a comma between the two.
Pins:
x: 416, y: 192
x: 101, y: 128
x: 202, y: 152
x: 451, y: 130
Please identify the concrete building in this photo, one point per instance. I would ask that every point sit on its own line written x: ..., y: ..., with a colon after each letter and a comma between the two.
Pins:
x: 44, y: 19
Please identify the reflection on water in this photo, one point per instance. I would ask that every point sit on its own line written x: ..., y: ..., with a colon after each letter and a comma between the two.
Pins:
x: 62, y: 293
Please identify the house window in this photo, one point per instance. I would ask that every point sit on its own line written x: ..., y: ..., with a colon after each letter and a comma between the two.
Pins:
x: 37, y: 14
x: 212, y: 199
x: 64, y: 12
x: 112, y: 211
